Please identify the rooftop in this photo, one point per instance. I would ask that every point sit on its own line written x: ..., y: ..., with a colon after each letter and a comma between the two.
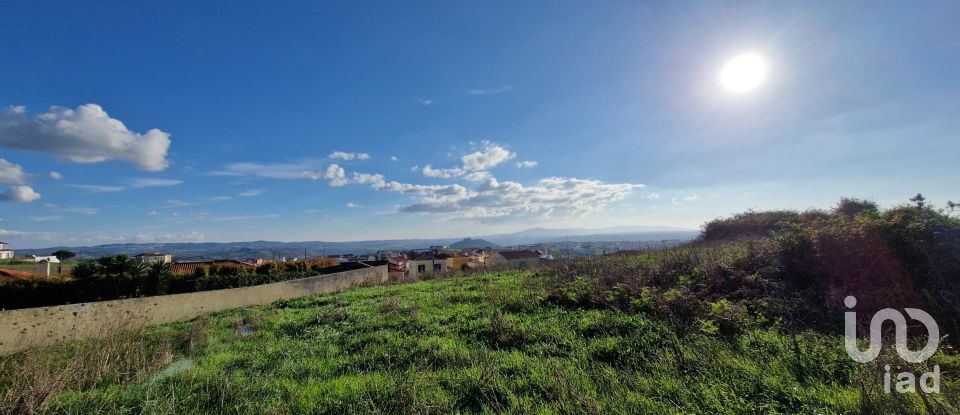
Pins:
x: 426, y: 256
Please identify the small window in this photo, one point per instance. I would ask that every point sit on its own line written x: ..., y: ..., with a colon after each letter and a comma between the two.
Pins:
x: 421, y: 268
x: 438, y: 267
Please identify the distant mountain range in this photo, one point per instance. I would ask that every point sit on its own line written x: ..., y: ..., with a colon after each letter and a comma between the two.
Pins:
x: 472, y: 243
x: 271, y: 249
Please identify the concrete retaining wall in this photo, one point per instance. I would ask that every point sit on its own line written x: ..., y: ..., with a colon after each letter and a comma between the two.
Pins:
x: 41, y: 326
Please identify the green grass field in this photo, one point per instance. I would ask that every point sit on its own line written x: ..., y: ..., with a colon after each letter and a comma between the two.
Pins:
x: 489, y: 343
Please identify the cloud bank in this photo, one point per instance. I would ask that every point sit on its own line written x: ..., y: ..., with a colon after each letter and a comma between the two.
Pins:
x: 486, y: 199
x: 494, y: 199
x: 86, y: 134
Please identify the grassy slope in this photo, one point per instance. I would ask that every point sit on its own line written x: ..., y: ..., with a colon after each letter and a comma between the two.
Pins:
x: 475, y: 344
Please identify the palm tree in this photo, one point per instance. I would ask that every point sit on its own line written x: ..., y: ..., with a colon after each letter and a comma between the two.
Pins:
x: 158, y: 278
x: 85, y: 270
x: 121, y: 270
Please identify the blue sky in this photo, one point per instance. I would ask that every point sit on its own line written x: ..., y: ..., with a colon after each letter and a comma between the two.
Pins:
x: 308, y: 121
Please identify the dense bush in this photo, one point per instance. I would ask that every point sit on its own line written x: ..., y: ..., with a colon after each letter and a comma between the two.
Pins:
x: 794, y: 268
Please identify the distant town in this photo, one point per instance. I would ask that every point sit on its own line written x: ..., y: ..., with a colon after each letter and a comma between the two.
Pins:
x: 463, y: 255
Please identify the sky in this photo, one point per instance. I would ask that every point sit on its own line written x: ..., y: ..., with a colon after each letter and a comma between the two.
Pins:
x: 233, y: 121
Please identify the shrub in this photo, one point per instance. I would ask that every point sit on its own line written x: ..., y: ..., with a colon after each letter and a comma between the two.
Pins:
x: 749, y: 225
x: 852, y: 207
x: 782, y: 266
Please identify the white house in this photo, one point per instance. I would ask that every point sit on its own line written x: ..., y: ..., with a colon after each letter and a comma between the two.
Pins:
x: 5, y: 251
x: 40, y: 258
x: 154, y: 257
x: 427, y: 263
x: 514, y: 259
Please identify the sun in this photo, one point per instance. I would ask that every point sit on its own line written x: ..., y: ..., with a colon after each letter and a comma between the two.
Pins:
x: 743, y: 73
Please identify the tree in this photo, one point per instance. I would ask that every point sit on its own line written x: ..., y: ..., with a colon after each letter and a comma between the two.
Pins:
x: 919, y: 200
x: 63, y: 255
x: 158, y: 278
x: 852, y: 207
x: 85, y: 271
x: 122, y: 271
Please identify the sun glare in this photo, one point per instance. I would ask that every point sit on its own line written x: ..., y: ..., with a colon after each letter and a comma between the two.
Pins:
x: 743, y: 73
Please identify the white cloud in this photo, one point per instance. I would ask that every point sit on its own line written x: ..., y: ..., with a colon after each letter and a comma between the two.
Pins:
x: 425, y: 101
x: 56, y: 175
x: 394, y: 158
x: 488, y: 91
x: 478, y: 176
x: 45, y: 218
x: 349, y: 156
x: 19, y: 194
x: 334, y: 173
x: 550, y: 196
x: 86, y: 134
x: 177, y: 203
x: 11, y: 173
x: 269, y: 170
x: 78, y: 210
x: 96, y: 188
x: 8, y: 232
x: 490, y: 155
x: 685, y: 199
x: 475, y: 164
x: 494, y: 199
x: 251, y: 192
x: 528, y: 164
x: 298, y: 170
x: 352, y: 205
x: 81, y: 210
x: 364, y: 178
x: 153, y: 213
x: 153, y: 182
x: 33, y: 237
x: 429, y: 171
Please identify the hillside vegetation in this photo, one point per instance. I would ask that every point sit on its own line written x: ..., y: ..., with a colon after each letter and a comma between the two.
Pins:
x: 745, y: 320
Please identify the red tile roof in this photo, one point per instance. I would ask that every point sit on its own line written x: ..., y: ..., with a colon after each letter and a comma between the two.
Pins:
x: 187, y: 268
x: 20, y: 275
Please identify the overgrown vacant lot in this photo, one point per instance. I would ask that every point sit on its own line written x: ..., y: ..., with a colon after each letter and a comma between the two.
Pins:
x: 748, y: 319
x: 488, y: 343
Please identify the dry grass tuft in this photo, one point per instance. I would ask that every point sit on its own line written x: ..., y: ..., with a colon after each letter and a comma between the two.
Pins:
x: 32, y: 377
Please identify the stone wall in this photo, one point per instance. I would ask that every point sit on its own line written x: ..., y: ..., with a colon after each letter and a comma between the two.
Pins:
x: 41, y: 326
